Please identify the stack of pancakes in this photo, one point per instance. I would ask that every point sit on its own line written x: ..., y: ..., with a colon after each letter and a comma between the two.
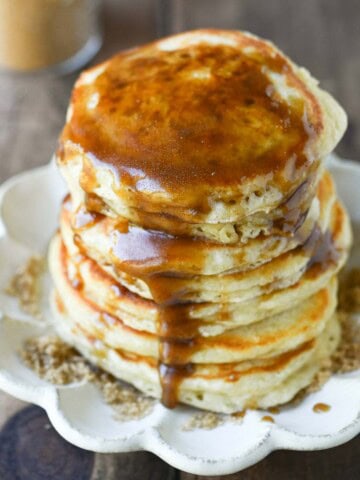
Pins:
x: 201, y: 237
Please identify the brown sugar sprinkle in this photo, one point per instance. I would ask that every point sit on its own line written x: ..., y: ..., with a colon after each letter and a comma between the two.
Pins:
x: 349, y: 292
x: 209, y: 420
x: 58, y: 363
x: 204, y: 420
x: 25, y: 285
x: 54, y: 361
x: 346, y: 358
x: 127, y: 402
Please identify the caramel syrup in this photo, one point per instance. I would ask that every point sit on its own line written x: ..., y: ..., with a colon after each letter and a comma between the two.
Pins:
x: 240, y: 414
x: 321, y: 408
x: 268, y: 418
x: 274, y: 410
x: 176, y: 330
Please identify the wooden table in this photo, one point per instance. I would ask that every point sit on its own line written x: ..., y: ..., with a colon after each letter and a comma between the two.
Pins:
x: 323, y: 35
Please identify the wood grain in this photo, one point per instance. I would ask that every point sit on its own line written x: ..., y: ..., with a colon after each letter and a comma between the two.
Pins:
x: 30, y: 449
x: 324, y: 36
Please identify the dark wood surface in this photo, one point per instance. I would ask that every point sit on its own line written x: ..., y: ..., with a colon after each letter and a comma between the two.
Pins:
x: 324, y: 36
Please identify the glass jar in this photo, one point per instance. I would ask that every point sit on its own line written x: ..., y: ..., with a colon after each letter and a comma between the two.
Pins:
x: 58, y: 35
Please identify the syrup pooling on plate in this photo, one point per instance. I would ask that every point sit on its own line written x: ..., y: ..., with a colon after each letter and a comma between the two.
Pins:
x: 184, y: 134
x: 321, y: 407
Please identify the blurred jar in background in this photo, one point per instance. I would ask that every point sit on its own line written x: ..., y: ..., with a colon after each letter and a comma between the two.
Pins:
x: 59, y: 35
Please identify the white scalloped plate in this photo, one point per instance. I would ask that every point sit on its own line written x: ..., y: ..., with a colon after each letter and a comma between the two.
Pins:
x: 29, y: 205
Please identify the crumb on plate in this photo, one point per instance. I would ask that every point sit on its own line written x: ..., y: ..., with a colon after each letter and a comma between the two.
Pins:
x: 58, y: 363
x: 25, y: 285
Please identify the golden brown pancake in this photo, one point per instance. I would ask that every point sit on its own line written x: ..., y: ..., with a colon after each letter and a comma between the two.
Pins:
x: 208, y: 126
x: 167, y: 277
x: 131, y: 248
x: 228, y: 387
x: 271, y: 336
x: 241, y: 306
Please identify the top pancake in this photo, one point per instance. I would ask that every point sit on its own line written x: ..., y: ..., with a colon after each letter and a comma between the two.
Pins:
x: 203, y: 127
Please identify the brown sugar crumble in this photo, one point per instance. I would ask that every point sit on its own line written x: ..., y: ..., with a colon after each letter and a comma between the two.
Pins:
x: 346, y: 358
x: 349, y: 292
x: 204, y: 420
x: 25, y: 285
x: 127, y: 402
x: 56, y: 362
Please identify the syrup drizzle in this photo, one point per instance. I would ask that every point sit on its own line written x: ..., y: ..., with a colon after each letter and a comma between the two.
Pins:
x: 177, y: 331
x: 321, y: 407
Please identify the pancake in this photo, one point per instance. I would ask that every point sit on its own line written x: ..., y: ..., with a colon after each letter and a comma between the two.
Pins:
x: 103, y: 289
x: 207, y: 127
x: 285, y: 218
x: 282, y: 272
x: 271, y: 336
x: 112, y: 242
x: 228, y: 387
